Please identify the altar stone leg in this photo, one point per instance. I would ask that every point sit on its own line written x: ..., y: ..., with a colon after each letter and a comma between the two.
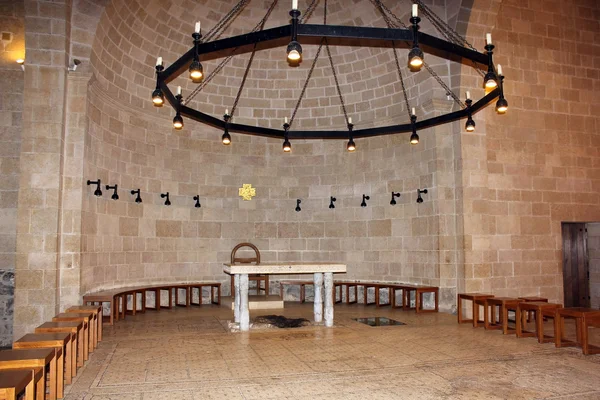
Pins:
x: 328, y: 299
x: 244, y: 312
x: 236, y: 301
x: 318, y: 304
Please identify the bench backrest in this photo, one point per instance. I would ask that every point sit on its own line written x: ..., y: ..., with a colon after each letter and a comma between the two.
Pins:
x: 245, y: 260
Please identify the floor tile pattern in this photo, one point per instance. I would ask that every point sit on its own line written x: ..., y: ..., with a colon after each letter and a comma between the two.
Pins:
x: 188, y: 354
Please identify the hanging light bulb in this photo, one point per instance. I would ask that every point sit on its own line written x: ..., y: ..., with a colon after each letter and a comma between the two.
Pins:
x: 294, y: 51
x: 351, y: 146
x: 196, y: 71
x: 414, y: 138
x: 177, y: 121
x: 287, y: 146
x: 415, y: 59
x: 470, y: 125
x: 158, y: 98
x: 415, y: 56
x: 501, y: 105
x: 226, y: 138
x: 490, y: 79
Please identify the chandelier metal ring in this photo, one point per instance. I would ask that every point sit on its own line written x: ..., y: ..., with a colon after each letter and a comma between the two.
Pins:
x: 340, y: 36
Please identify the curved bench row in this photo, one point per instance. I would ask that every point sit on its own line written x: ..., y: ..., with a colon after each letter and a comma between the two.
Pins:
x: 119, y: 298
x: 402, y: 301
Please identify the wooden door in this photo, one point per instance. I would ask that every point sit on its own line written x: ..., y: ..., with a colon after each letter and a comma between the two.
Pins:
x: 576, y: 273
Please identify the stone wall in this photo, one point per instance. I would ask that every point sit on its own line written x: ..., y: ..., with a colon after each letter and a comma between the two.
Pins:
x: 538, y: 165
x: 491, y: 219
x: 11, y: 108
x: 131, y: 144
x: 593, y: 246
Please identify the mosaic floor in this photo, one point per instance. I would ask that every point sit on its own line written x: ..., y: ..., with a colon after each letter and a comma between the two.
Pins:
x: 186, y: 354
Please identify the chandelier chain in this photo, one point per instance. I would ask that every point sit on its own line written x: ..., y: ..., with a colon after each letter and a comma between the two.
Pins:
x: 226, y: 61
x: 337, y: 83
x: 390, y: 24
x: 262, y: 25
x: 401, y: 78
x: 447, y: 31
x: 449, y: 92
x: 225, y: 21
x: 309, y: 10
x: 312, y: 68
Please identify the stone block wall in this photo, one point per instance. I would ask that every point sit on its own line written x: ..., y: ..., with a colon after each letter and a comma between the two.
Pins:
x: 11, y: 121
x: 538, y: 165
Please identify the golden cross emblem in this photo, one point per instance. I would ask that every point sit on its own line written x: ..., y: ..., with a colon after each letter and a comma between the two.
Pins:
x: 247, y: 191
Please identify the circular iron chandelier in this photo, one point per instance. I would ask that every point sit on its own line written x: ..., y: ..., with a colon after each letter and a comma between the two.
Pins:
x: 397, y: 35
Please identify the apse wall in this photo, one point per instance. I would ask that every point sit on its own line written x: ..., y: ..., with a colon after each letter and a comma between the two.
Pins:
x: 125, y: 243
x: 132, y: 144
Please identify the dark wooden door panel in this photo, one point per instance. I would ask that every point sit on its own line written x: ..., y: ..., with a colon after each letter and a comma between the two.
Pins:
x: 575, y: 265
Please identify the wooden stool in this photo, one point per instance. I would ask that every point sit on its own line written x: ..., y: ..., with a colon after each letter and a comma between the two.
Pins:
x: 302, y: 285
x: 97, y: 311
x: 366, y: 292
x: 404, y: 304
x: 584, y: 318
x: 532, y: 298
x: 33, y: 358
x: 97, y: 299
x: 62, y: 343
x: 477, y: 299
x: 134, y: 301
x: 348, y: 286
x: 14, y: 381
x: 540, y: 310
x: 76, y: 330
x: 504, y: 304
x: 187, y: 295
x: 86, y: 319
x: 419, y: 298
x: 390, y: 290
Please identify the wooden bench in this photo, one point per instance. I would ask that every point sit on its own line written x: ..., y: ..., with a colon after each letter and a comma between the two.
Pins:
x: 15, y: 381
x: 302, y: 285
x: 119, y: 298
x: 405, y: 297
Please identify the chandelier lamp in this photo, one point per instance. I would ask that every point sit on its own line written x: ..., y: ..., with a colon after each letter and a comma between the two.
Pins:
x: 397, y: 35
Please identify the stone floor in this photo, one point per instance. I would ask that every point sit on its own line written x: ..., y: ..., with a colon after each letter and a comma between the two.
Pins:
x: 189, y: 354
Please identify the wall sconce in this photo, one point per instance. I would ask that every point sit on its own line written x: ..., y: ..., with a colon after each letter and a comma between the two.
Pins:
x: 97, y: 192
x: 331, y: 201
x: 21, y: 62
x: 197, y: 198
x: 73, y: 67
x: 167, y: 201
x: 364, y: 201
x: 419, y: 198
x: 138, y: 199
x: 394, y: 195
x: 115, y: 195
x: 298, y: 201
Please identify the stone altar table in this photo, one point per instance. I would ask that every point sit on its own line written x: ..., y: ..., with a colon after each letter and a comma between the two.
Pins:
x: 322, y: 273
